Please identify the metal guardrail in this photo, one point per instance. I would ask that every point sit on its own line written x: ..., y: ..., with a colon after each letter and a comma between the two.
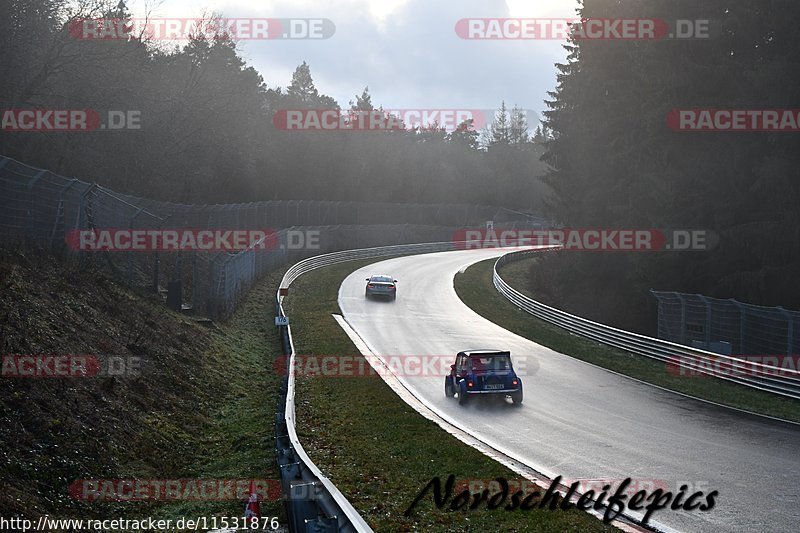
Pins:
x: 313, y: 503
x: 781, y: 381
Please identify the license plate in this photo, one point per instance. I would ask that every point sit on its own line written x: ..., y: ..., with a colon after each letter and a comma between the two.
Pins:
x: 498, y: 386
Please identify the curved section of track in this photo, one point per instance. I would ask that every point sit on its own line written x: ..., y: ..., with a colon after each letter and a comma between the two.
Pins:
x: 578, y: 420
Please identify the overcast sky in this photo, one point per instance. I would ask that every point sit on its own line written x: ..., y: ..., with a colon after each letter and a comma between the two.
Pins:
x: 406, y: 51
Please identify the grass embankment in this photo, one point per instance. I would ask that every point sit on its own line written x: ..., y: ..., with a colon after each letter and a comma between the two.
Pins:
x: 377, y: 450
x: 202, y: 407
x: 475, y: 289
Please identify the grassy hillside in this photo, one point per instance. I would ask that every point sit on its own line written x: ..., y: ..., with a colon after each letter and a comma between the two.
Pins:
x: 200, y: 408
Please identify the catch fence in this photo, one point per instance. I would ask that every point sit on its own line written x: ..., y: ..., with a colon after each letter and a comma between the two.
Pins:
x: 728, y: 326
x: 43, y: 208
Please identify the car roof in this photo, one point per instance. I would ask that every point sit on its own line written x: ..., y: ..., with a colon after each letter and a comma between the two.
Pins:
x: 387, y: 276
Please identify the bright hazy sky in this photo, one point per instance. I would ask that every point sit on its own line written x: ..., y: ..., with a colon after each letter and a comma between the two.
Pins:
x: 406, y: 51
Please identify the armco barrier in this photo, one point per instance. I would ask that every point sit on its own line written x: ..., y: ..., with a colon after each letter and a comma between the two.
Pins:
x: 781, y: 381
x: 313, y: 503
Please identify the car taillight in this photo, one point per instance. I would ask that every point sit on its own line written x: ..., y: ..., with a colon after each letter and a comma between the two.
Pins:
x: 371, y: 286
x: 515, y: 382
x: 469, y: 384
x: 392, y: 287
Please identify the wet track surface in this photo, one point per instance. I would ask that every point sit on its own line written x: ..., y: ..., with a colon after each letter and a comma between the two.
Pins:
x: 580, y: 421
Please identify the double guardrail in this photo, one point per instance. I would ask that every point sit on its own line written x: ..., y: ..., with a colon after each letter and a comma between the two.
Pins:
x: 681, y: 358
x: 313, y: 503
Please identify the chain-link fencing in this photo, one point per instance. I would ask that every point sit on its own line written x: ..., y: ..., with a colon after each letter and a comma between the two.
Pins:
x: 42, y: 208
x: 727, y: 326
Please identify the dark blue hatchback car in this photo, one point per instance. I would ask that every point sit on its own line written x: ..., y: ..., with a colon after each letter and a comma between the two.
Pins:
x: 478, y: 372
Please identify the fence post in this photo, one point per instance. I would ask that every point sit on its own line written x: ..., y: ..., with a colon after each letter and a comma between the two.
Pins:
x: 683, y: 317
x: 659, y: 313
x: 789, y: 330
x: 194, y: 281
x: 62, y: 210
x: 156, y: 266
x: 708, y: 320
x: 156, y: 257
x: 130, y: 253
x: 211, y: 293
x: 33, y: 204
x: 742, y: 316
x: 82, y: 205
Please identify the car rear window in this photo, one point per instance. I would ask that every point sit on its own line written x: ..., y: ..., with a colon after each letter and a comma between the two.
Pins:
x: 494, y: 363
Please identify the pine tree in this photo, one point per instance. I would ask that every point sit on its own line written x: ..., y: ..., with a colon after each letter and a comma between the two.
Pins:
x: 500, y: 128
x: 302, y: 89
x: 465, y: 135
x: 518, y: 128
x: 363, y: 102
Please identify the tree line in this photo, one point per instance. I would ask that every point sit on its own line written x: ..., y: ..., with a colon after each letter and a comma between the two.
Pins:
x: 614, y: 162
x: 608, y: 157
x: 206, y: 125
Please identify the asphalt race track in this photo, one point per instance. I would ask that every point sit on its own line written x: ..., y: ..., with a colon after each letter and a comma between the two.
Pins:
x: 580, y: 421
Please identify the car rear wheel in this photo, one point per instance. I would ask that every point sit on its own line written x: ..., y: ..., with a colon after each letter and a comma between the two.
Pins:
x: 516, y: 397
x: 463, y: 397
x: 448, y: 387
